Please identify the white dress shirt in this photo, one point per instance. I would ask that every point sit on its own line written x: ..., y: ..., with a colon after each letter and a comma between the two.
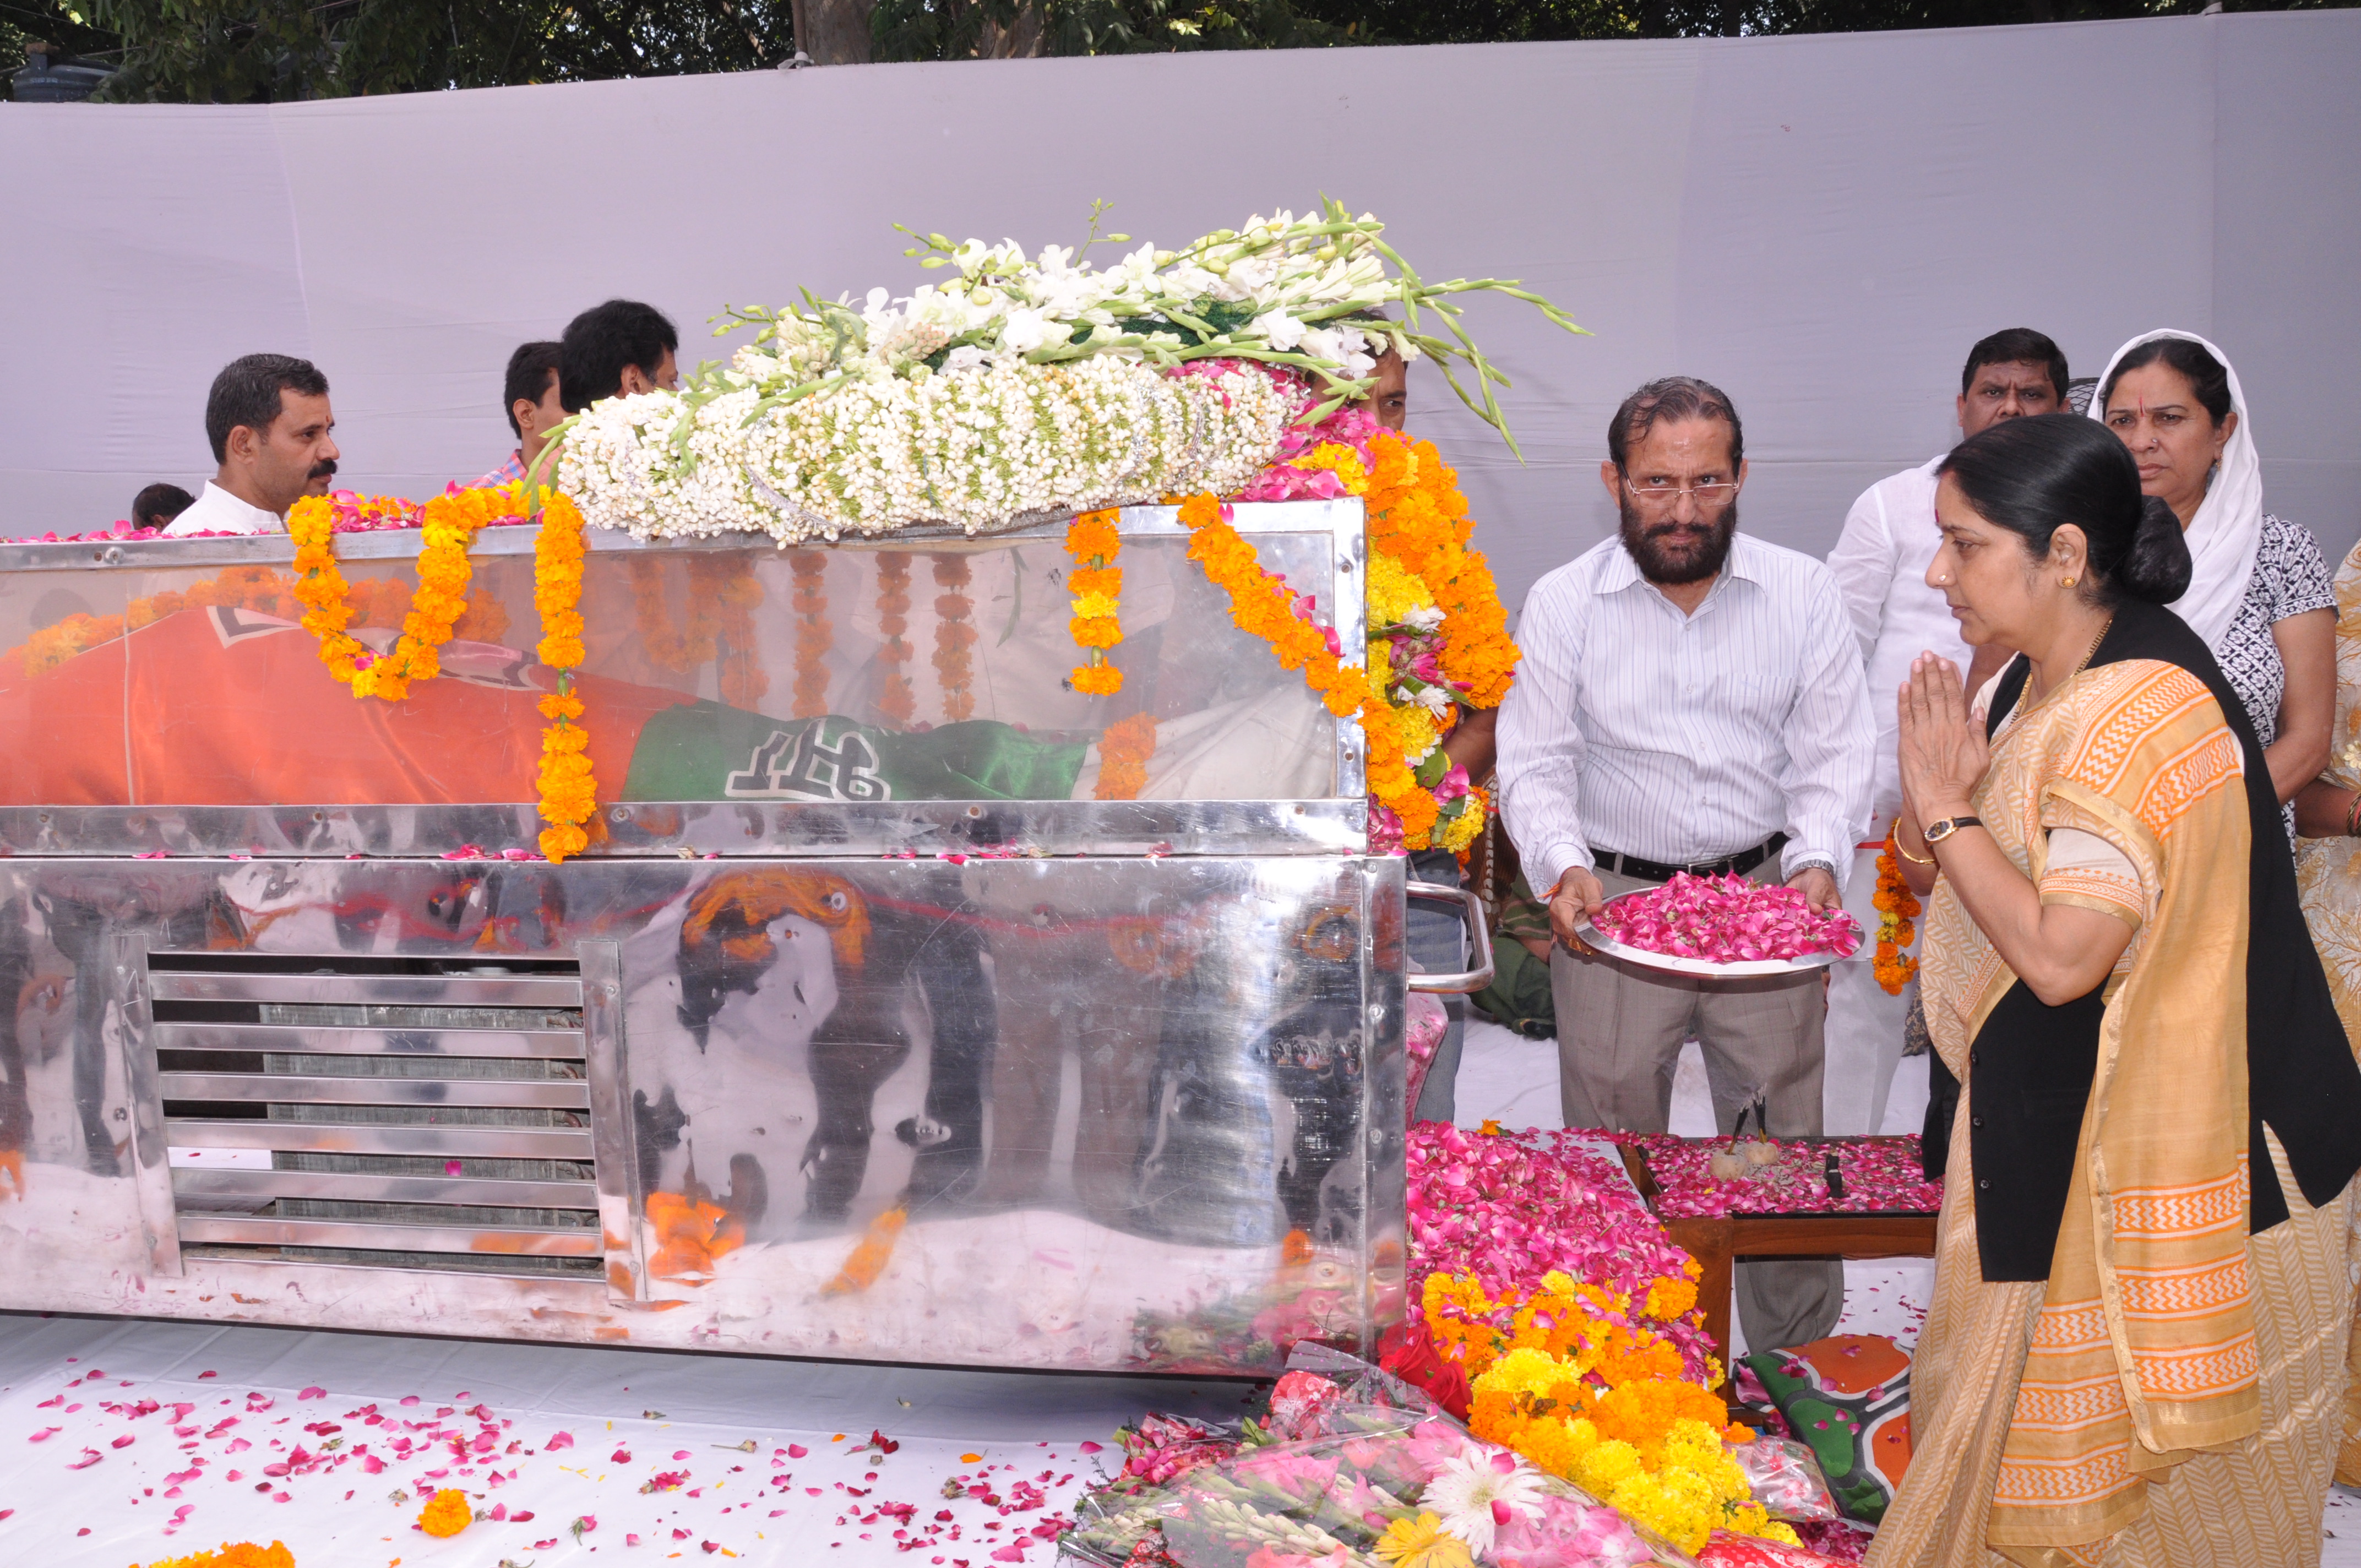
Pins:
x: 1881, y: 564
x: 1686, y: 738
x: 218, y: 512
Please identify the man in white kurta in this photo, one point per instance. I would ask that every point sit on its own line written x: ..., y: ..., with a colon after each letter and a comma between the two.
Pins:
x: 1880, y: 563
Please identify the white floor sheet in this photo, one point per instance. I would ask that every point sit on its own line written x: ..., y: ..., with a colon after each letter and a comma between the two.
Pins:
x: 760, y: 1460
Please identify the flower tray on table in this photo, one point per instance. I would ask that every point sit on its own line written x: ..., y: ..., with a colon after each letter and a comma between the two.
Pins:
x: 1783, y: 1206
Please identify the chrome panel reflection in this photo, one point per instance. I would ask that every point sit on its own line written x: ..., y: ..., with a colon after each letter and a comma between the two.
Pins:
x: 522, y: 1243
x: 128, y: 1020
x: 321, y: 1040
x: 671, y: 829
x: 1318, y: 544
x: 1094, y: 1112
x: 618, y: 1194
x: 1342, y: 519
x: 200, y: 1190
x: 389, y: 990
x: 338, y: 1138
x: 261, y: 1089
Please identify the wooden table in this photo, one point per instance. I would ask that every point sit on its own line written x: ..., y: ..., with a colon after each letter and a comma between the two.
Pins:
x: 1716, y: 1241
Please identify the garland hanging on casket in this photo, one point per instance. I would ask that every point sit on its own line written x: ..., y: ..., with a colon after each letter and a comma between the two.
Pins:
x: 1019, y: 390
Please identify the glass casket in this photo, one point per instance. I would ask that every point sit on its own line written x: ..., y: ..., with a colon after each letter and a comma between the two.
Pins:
x: 909, y: 1005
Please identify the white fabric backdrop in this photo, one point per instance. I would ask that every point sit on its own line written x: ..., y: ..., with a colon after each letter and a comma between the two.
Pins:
x: 1820, y: 224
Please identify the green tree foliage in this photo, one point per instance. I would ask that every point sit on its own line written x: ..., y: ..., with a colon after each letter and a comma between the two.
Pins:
x: 64, y: 26
x: 244, y: 51
x: 1519, y: 21
x: 967, y: 29
x: 251, y: 52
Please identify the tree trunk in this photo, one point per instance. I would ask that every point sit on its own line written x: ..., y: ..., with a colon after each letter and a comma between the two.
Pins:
x: 1023, y: 39
x: 833, y: 32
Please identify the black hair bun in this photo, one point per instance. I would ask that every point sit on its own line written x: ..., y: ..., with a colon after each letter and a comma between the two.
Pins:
x: 2156, y: 568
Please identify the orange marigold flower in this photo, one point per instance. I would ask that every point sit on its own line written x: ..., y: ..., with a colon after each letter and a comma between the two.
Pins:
x: 448, y: 1513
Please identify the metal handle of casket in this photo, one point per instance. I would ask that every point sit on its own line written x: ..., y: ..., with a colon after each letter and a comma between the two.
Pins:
x: 1472, y: 905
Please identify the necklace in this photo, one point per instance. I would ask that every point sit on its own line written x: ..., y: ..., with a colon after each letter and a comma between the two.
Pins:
x: 2088, y: 654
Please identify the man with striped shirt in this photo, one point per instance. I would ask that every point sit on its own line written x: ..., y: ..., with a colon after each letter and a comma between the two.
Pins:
x: 1690, y: 698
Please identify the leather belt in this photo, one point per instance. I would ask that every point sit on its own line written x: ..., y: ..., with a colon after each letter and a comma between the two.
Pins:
x: 1738, y: 864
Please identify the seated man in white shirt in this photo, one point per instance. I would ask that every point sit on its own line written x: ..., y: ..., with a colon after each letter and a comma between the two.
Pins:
x: 1880, y: 566
x: 268, y: 420
x: 1689, y: 700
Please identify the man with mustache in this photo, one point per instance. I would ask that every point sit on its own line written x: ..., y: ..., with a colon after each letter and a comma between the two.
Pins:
x: 268, y: 420
x: 1691, y: 699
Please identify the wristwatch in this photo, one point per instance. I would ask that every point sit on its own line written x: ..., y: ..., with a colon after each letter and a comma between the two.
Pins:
x: 1935, y: 832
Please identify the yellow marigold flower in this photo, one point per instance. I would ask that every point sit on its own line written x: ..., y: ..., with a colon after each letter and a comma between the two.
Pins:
x: 1339, y: 460
x: 1420, y: 1543
x: 448, y: 1513
x: 1394, y: 592
x: 1670, y: 1299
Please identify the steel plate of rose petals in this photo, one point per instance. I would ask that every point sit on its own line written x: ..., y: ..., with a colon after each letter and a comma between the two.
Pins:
x: 1724, y: 925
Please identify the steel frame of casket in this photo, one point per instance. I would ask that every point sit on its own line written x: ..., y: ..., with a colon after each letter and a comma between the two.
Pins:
x: 1028, y: 1083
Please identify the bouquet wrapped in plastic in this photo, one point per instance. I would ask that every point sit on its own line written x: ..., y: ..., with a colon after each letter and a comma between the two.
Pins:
x: 1354, y: 1468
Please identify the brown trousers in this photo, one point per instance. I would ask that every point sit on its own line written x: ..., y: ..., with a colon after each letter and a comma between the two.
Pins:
x: 1619, y: 1032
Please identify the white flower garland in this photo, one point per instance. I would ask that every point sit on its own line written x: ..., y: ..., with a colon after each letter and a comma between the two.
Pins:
x: 978, y: 449
x: 1021, y: 389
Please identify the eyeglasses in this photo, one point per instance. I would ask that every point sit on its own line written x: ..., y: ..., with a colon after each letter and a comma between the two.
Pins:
x: 1707, y: 493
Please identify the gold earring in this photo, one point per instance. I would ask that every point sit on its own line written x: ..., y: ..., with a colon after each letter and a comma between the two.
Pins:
x: 2065, y: 582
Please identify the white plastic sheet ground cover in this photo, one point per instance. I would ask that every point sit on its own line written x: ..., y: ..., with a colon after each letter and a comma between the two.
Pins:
x: 133, y: 1442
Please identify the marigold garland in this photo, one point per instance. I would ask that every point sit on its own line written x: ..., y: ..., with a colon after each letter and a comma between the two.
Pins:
x: 1260, y: 604
x: 814, y: 634
x: 1438, y: 633
x: 1097, y: 586
x: 1896, y: 907
x: 894, y: 699
x: 677, y: 648
x: 569, y: 794
x: 1124, y: 751
x: 446, y: 1513
x: 244, y: 1554
x: 258, y: 589
x: 736, y: 589
x: 450, y: 523
x: 1418, y: 516
x: 954, y: 636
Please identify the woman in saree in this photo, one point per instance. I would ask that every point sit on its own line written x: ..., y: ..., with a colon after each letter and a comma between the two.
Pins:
x: 2136, y: 1352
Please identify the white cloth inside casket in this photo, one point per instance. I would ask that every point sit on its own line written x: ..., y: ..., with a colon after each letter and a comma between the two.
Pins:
x: 1277, y: 746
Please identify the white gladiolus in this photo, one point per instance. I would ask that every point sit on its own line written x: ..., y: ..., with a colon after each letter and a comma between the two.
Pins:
x: 927, y: 409
x: 1282, y: 331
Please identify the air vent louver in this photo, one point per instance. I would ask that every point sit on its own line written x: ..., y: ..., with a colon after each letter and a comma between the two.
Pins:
x: 416, y: 1113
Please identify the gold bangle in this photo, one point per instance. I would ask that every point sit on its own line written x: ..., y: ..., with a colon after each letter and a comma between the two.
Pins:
x: 1906, y: 854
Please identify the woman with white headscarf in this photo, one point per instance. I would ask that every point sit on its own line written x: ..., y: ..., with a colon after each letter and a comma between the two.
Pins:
x: 2259, y: 593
